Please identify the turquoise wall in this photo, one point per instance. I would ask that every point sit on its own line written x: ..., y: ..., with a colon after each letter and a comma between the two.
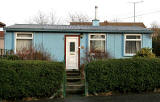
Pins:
x: 84, y: 43
x: 54, y: 43
x: 147, y: 40
x: 115, y: 45
x: 9, y: 41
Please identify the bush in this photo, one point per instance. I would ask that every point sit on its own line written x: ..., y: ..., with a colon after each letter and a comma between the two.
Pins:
x: 145, y: 52
x: 123, y: 75
x: 34, y: 53
x: 9, y: 57
x: 19, y: 79
x: 94, y: 55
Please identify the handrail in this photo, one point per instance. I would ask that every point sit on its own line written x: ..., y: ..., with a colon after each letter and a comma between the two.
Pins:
x: 86, y: 83
x: 64, y: 85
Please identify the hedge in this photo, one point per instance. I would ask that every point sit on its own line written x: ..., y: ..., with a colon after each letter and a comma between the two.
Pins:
x: 156, y: 47
x: 20, y: 79
x: 123, y: 75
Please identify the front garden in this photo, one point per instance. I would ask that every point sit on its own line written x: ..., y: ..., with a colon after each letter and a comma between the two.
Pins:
x: 34, y: 78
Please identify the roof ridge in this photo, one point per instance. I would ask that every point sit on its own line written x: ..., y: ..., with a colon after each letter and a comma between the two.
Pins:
x: 79, y: 25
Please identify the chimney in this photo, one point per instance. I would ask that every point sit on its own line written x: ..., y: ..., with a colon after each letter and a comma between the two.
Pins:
x: 95, y: 22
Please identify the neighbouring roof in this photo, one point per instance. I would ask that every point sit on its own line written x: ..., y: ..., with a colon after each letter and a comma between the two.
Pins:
x: 106, y: 23
x: 2, y: 24
x: 77, y: 28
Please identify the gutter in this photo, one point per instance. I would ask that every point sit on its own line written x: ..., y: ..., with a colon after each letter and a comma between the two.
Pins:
x: 77, y: 30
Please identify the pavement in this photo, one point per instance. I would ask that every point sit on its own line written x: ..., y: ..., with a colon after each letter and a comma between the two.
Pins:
x: 153, y: 97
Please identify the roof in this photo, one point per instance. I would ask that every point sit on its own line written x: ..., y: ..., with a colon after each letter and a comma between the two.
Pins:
x: 106, y: 23
x: 77, y: 28
x: 2, y: 24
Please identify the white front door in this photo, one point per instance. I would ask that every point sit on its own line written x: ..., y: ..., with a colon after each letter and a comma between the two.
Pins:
x: 72, y: 52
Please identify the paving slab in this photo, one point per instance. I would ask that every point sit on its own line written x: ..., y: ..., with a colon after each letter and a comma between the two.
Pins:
x: 154, y: 97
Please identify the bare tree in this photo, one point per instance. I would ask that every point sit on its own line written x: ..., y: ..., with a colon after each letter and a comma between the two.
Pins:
x: 156, y: 30
x: 53, y: 19
x: 78, y: 17
x: 42, y: 18
x: 115, y: 20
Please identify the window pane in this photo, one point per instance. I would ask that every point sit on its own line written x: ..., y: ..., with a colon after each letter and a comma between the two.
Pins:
x: 133, y: 37
x: 24, y: 35
x: 132, y: 47
x: 72, y: 46
x: 21, y: 43
x: 97, y: 36
x: 97, y: 46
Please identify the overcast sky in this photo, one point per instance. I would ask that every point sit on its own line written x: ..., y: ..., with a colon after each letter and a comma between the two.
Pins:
x: 20, y: 11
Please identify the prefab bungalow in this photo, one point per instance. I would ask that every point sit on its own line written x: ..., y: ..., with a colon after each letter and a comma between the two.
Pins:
x: 69, y: 42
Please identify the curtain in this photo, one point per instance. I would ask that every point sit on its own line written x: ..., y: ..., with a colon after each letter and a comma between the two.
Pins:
x: 97, y: 45
x: 23, y: 43
x: 132, y: 46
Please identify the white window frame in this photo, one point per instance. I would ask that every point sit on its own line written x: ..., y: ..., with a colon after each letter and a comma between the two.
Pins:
x: 89, y: 38
x: 16, y: 37
x: 132, y: 54
x: 1, y: 28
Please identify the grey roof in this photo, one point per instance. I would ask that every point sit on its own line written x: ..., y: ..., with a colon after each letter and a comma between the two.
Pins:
x: 77, y: 28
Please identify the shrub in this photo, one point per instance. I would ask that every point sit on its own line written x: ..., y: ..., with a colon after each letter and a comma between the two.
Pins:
x: 145, y: 52
x: 123, y: 75
x: 12, y: 57
x: 95, y: 55
x: 33, y: 53
x: 19, y: 79
x: 9, y: 57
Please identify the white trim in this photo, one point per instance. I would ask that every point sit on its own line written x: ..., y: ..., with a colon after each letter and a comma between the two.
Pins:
x: 24, y: 37
x: 89, y: 38
x: 132, y: 54
x: 15, y: 36
x: 1, y: 29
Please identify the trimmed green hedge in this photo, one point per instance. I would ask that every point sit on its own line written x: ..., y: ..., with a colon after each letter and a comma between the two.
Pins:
x: 19, y: 79
x: 123, y: 75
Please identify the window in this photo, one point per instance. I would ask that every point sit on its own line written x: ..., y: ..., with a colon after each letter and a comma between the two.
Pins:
x: 72, y: 46
x: 132, y: 43
x: 23, y: 40
x: 97, y: 42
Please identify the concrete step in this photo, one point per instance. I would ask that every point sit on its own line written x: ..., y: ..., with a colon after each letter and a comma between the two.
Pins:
x: 73, y: 74
x: 78, y: 76
x: 74, y: 91
x: 73, y: 71
x: 75, y: 83
x: 81, y: 86
x: 73, y: 79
